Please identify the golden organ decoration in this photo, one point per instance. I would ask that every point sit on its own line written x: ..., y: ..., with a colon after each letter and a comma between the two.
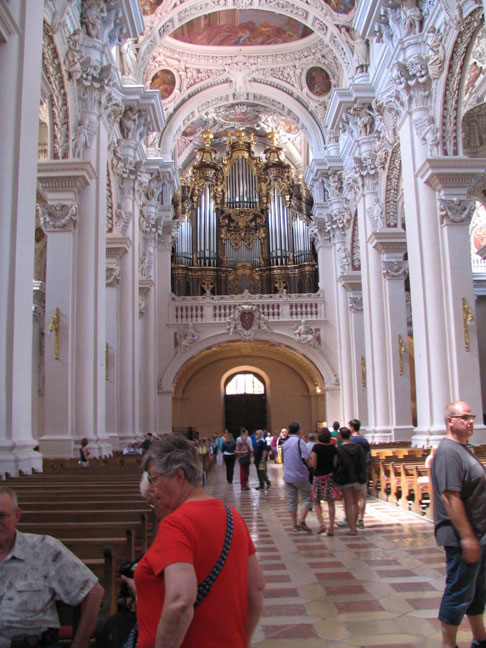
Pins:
x: 243, y: 222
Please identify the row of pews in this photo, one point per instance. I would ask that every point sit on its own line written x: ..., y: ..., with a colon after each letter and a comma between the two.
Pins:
x: 97, y: 512
x: 399, y: 475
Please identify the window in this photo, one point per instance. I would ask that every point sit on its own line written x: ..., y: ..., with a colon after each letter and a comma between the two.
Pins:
x: 244, y: 383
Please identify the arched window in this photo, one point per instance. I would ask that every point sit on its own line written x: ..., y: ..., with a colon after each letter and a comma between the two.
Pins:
x: 244, y: 383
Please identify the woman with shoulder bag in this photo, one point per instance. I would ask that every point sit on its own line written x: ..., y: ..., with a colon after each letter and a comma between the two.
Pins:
x: 243, y: 452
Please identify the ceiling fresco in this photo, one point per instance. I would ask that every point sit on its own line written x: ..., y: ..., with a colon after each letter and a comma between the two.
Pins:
x: 251, y: 117
x: 339, y: 6
x: 241, y: 28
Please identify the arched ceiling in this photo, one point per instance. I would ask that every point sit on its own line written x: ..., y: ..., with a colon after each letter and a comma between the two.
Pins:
x: 225, y: 67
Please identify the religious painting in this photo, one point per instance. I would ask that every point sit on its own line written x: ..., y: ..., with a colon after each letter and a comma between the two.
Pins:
x: 194, y: 127
x: 243, y: 114
x: 236, y: 27
x: 341, y: 6
x: 164, y: 81
x: 318, y: 81
x: 149, y: 6
x: 288, y: 126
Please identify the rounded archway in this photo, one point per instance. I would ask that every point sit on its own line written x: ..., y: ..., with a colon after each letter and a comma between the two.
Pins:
x: 292, y: 386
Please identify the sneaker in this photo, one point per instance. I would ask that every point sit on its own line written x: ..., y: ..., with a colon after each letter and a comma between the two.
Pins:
x: 360, y: 524
x: 343, y: 523
x: 296, y: 528
x: 259, y: 488
x: 478, y: 644
x: 268, y: 485
x: 304, y: 527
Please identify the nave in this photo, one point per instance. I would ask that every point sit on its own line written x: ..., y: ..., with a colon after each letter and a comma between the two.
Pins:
x: 381, y: 588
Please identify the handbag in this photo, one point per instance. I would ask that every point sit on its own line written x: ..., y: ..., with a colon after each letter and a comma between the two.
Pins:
x: 311, y: 476
x: 244, y: 460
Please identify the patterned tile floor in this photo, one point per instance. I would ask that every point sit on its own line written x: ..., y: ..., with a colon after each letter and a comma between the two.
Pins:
x: 380, y: 588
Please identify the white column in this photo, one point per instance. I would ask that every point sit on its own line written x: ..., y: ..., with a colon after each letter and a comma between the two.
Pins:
x: 452, y: 178
x: 392, y: 246
x: 352, y: 347
x: 116, y: 247
x: 356, y: 317
x: 62, y: 182
x: 165, y: 341
x: 379, y: 421
x: 20, y: 74
x: 148, y: 373
x: 423, y: 243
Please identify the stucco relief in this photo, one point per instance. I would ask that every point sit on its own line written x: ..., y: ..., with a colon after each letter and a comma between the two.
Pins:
x: 58, y: 98
x: 469, y: 29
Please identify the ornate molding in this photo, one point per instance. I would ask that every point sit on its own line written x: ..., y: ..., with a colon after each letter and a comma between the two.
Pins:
x: 306, y: 334
x: 102, y: 20
x: 456, y: 211
x: 413, y: 82
x: 355, y: 303
x: 392, y: 189
x: 185, y: 337
x: 394, y: 269
x: 58, y: 97
x: 245, y: 321
x: 112, y: 277
x: 58, y: 216
x: 466, y: 35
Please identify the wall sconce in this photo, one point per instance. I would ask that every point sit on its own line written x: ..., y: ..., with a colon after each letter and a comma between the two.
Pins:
x: 467, y: 318
x: 401, y: 350
x: 54, y: 328
x: 363, y: 372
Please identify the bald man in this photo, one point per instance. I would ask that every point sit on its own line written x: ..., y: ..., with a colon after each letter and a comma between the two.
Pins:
x: 459, y: 484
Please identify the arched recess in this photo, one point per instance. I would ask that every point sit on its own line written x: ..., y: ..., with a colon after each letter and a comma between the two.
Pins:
x: 452, y: 116
x: 295, y: 387
x: 221, y: 95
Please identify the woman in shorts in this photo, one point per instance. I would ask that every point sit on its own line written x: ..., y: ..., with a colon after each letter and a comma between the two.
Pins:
x: 323, y: 460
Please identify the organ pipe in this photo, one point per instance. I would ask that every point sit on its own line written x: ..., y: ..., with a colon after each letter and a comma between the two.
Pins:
x: 239, y: 210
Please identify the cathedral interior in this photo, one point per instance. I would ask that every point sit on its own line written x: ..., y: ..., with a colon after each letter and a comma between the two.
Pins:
x: 220, y: 214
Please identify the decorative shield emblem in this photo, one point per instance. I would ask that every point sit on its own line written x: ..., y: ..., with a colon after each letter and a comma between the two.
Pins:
x: 247, y: 318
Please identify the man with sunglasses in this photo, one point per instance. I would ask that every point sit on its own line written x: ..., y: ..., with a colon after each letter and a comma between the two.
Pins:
x: 459, y: 484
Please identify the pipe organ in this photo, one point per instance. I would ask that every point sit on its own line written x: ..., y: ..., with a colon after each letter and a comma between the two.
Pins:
x: 243, y: 223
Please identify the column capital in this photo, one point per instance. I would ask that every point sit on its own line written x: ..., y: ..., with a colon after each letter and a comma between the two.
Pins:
x: 112, y: 276
x: 393, y: 269
x: 456, y: 211
x: 117, y: 246
x: 63, y: 180
x: 58, y: 216
x: 389, y: 241
x: 355, y: 301
x: 351, y: 281
x: 452, y: 176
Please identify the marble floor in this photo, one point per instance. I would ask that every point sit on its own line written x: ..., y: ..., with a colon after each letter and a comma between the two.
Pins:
x: 380, y: 588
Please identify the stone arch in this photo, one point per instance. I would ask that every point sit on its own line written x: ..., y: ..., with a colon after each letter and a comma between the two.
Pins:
x: 59, y: 104
x: 455, y: 81
x: 318, y: 367
x: 220, y: 95
x: 275, y: 364
x: 319, y: 18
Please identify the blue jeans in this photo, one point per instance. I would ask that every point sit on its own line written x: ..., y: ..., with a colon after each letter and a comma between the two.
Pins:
x: 465, y: 590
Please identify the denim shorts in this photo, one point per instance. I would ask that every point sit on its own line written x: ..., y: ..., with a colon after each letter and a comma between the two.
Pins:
x: 465, y: 590
x: 293, y: 490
